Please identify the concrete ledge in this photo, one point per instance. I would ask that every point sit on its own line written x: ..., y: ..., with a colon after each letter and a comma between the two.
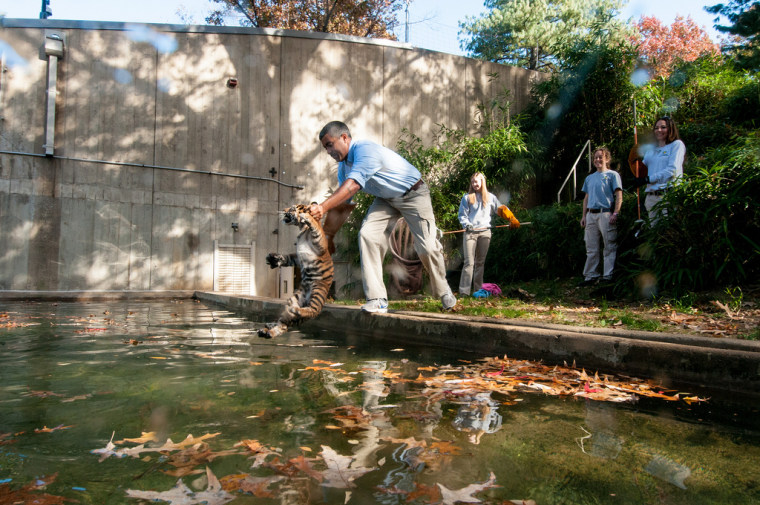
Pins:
x: 709, y: 363
x: 86, y: 296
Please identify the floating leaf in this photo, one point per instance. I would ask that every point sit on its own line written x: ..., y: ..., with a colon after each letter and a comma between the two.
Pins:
x: 180, y: 494
x: 245, y: 483
x: 142, y: 439
x: 339, y: 473
x: 26, y: 495
x: 465, y: 495
x: 135, y: 452
x: 45, y: 429
x: 75, y: 398
x: 186, y: 460
x: 108, y: 450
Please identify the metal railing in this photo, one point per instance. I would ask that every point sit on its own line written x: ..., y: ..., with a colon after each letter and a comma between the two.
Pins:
x: 572, y: 171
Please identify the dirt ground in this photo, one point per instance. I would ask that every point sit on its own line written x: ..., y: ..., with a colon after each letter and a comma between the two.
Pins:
x: 728, y: 314
x: 706, y: 320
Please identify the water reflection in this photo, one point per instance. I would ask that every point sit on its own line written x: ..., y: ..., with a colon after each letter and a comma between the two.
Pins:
x: 479, y: 415
x: 600, y: 429
x: 329, y: 419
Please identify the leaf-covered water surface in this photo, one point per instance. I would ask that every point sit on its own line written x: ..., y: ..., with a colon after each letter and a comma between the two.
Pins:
x: 180, y: 403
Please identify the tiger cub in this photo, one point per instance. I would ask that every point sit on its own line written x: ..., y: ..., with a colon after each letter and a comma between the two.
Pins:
x: 316, y: 265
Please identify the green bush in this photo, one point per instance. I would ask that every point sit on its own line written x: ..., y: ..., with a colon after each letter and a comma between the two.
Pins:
x: 450, y: 162
x: 711, y: 234
x: 590, y: 99
x: 551, y: 246
x: 711, y: 101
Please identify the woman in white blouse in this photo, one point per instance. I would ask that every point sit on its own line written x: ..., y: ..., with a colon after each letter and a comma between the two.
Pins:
x: 664, y: 162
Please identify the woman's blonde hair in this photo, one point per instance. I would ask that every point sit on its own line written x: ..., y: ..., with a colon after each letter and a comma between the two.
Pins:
x: 483, y: 189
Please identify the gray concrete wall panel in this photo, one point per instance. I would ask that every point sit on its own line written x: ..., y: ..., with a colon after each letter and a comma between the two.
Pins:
x: 156, y: 154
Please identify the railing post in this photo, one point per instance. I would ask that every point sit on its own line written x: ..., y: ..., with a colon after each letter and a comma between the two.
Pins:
x: 572, y: 171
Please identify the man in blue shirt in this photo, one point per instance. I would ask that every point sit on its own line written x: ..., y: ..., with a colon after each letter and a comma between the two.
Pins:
x: 399, y: 192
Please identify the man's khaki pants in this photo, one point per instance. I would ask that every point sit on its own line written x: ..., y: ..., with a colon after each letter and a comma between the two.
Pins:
x: 382, y: 215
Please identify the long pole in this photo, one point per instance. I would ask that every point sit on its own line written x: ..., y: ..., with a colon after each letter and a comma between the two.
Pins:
x: 483, y: 229
x: 636, y: 163
x: 46, y: 11
x: 406, y: 34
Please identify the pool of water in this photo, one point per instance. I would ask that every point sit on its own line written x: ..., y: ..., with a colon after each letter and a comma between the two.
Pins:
x: 130, y: 402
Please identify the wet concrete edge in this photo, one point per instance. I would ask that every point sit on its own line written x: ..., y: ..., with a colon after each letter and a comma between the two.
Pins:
x: 709, y: 363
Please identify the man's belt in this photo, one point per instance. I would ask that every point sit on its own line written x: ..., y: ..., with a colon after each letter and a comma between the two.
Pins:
x: 597, y: 211
x: 414, y: 187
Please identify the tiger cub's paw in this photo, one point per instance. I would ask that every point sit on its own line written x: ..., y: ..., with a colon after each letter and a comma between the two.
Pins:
x: 275, y: 260
x: 272, y: 330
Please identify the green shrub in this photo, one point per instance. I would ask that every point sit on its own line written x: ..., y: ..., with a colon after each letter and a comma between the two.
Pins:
x: 450, y: 162
x: 551, y: 246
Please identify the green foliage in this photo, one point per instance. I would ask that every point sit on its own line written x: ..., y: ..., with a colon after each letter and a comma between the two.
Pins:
x: 711, y: 100
x: 735, y: 297
x: 711, y: 234
x: 684, y: 303
x: 351, y: 227
x: 552, y: 246
x: 590, y: 100
x: 634, y: 322
x: 744, y: 16
x: 450, y: 162
x: 535, y: 33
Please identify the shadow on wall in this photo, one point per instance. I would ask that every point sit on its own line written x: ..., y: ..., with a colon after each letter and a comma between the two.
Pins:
x: 139, y: 95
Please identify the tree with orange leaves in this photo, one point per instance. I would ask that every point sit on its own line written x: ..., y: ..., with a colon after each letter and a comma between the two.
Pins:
x: 368, y: 18
x: 664, y: 46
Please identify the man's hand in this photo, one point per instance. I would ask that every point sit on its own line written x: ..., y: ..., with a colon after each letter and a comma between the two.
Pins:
x: 613, y: 218
x: 316, y: 210
x: 468, y: 228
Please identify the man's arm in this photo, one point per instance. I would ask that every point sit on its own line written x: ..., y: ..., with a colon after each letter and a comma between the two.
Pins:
x: 345, y: 192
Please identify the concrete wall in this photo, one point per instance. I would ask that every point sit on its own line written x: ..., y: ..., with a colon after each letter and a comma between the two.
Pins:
x: 155, y: 156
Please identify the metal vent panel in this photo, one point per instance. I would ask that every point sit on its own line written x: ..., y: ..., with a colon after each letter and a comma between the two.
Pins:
x: 233, y: 269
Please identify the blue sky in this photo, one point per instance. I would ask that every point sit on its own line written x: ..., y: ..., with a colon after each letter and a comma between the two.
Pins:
x: 434, y: 24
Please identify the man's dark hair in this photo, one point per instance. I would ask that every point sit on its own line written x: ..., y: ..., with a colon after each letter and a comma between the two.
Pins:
x: 334, y: 129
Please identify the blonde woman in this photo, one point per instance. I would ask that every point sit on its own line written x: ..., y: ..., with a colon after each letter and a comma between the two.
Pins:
x: 475, y: 212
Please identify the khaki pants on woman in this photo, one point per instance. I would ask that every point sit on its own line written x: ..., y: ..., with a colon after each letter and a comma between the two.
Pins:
x: 475, y: 249
x: 417, y: 210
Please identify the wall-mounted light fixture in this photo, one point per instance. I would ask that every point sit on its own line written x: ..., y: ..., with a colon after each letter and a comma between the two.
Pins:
x: 232, y: 82
x: 53, y: 51
x: 235, y: 227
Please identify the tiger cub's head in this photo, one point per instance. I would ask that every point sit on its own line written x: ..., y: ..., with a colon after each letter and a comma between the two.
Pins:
x: 297, y: 215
